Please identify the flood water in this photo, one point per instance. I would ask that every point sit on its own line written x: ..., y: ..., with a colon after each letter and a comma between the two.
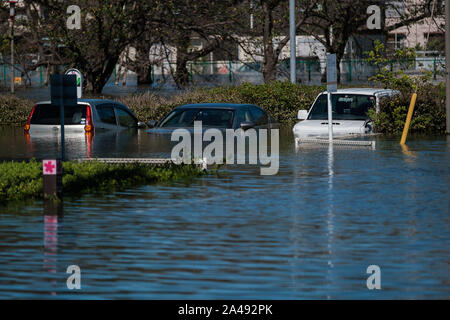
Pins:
x: 309, y: 232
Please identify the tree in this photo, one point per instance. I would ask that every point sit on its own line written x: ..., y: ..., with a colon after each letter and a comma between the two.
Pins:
x: 270, y: 32
x: 107, y: 27
x: 4, y: 18
x: 333, y: 23
x: 184, y: 20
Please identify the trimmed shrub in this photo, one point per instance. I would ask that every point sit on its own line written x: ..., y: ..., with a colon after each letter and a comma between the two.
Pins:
x: 23, y: 180
x: 14, y: 109
x: 281, y: 99
x: 428, y: 116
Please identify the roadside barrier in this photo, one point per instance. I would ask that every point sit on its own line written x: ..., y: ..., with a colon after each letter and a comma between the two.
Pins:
x: 299, y: 141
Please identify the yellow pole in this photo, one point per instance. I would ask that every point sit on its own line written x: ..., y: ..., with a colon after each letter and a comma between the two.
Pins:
x: 408, y: 118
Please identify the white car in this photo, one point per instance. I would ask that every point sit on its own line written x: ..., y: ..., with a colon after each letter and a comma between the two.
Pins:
x: 349, y: 111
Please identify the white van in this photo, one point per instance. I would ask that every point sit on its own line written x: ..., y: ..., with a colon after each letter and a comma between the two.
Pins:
x: 349, y: 109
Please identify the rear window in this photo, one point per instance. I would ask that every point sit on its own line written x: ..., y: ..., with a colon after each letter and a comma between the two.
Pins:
x: 48, y: 114
x: 209, y: 117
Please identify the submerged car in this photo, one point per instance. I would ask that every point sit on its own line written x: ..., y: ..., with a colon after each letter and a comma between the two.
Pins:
x: 349, y: 112
x: 215, y: 115
x: 88, y: 115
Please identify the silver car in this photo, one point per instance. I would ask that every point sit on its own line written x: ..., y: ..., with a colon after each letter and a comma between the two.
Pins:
x: 89, y: 115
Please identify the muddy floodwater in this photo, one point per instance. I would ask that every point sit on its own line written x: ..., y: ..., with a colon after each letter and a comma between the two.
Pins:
x: 309, y: 232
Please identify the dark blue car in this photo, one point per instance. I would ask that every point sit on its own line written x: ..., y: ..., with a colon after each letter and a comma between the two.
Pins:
x: 215, y: 115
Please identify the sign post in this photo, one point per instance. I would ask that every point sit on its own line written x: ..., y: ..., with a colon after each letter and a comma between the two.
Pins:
x: 80, y: 79
x: 292, y: 40
x: 52, y: 178
x: 331, y: 87
x: 63, y: 91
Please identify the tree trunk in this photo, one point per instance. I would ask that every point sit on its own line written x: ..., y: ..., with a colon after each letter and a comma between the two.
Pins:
x: 142, y: 65
x: 182, y: 74
x: 338, y: 67
x: 270, y: 57
x: 144, y: 74
x: 98, y: 77
x: 269, y: 68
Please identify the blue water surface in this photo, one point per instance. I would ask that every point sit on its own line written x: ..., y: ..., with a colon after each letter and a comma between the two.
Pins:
x: 309, y: 232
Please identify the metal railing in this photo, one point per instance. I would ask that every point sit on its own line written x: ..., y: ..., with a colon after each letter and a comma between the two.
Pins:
x: 216, y: 73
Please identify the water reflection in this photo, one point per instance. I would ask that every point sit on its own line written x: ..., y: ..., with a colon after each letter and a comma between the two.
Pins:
x: 53, y: 214
x: 407, y: 152
x: 100, y: 144
x: 330, y: 214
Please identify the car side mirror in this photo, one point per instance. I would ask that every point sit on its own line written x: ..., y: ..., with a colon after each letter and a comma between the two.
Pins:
x: 151, y: 123
x: 141, y: 124
x: 247, y: 125
x: 302, y: 114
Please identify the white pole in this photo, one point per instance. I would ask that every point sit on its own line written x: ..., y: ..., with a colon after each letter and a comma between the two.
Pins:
x: 292, y: 40
x: 330, y: 118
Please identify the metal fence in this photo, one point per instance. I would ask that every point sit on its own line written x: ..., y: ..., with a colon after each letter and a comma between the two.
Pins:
x: 216, y: 73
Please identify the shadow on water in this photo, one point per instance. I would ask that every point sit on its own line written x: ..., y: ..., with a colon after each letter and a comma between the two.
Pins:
x: 309, y: 232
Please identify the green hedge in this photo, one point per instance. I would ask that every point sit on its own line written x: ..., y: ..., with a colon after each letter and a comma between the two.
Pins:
x: 14, y: 110
x: 281, y: 99
x: 428, y: 116
x: 23, y: 180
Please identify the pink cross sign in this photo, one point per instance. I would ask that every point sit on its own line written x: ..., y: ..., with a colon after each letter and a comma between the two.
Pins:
x: 49, y: 167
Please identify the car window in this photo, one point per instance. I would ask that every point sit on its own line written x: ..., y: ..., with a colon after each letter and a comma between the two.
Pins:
x: 106, y: 113
x: 49, y: 114
x: 215, y: 117
x: 125, y: 118
x: 209, y: 117
x: 180, y: 118
x: 344, y: 107
x: 244, y: 115
x: 259, y: 116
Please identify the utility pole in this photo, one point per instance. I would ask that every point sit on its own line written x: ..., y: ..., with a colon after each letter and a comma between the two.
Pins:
x: 447, y: 64
x: 292, y: 40
x: 12, y: 5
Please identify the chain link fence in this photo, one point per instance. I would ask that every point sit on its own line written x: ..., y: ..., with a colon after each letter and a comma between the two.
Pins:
x: 231, y: 73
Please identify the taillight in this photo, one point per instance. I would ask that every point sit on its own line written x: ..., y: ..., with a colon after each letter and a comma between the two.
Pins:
x: 27, y: 125
x: 89, y: 126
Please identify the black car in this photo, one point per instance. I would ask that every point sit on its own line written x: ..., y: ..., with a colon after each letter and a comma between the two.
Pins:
x: 216, y: 115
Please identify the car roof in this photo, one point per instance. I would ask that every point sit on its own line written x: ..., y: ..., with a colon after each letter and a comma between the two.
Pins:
x: 364, y: 91
x: 90, y: 101
x: 233, y: 106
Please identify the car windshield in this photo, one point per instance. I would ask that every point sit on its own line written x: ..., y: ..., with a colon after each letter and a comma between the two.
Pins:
x: 344, y: 106
x: 48, y: 114
x: 222, y: 118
